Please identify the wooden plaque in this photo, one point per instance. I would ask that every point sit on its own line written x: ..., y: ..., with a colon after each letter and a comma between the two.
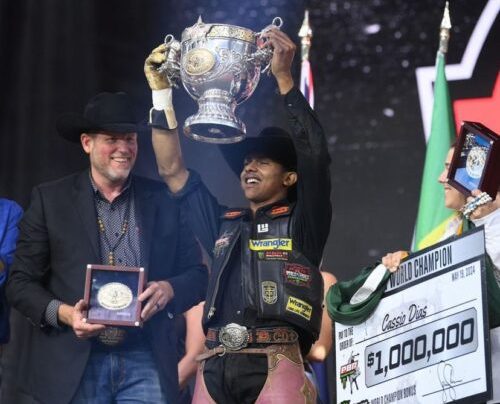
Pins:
x: 111, y: 294
x: 476, y: 160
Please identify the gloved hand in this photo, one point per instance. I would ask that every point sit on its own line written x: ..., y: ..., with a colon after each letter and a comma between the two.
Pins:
x: 156, y: 80
x: 162, y: 115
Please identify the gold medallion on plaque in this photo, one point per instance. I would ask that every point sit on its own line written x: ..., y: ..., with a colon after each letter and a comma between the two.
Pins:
x: 115, y: 296
x: 199, y: 61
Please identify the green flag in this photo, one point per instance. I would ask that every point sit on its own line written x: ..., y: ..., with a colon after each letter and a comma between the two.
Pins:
x: 433, y: 216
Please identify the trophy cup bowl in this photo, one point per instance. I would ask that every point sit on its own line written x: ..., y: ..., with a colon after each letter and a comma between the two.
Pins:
x: 219, y: 65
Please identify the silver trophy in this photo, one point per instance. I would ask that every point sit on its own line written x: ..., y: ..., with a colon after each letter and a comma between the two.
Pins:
x: 219, y: 65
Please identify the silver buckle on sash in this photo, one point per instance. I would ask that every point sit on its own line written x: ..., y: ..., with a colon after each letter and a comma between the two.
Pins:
x: 234, y: 336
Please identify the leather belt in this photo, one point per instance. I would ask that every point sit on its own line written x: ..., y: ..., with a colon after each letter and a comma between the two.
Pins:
x: 222, y: 350
x: 234, y: 337
x: 118, y: 338
x: 291, y: 351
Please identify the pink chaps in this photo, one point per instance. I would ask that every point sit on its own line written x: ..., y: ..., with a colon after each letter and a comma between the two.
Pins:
x: 286, y: 381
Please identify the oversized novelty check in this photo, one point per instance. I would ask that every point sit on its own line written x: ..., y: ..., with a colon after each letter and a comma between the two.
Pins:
x: 425, y: 343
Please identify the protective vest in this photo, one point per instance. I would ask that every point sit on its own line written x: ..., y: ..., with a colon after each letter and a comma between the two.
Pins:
x: 279, y: 282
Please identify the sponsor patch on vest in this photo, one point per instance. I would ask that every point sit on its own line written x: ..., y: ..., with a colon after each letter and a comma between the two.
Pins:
x: 233, y: 214
x: 269, y: 292
x: 299, y: 307
x: 273, y: 255
x: 283, y: 244
x: 222, y: 243
x: 298, y: 275
x: 262, y: 228
x: 279, y: 210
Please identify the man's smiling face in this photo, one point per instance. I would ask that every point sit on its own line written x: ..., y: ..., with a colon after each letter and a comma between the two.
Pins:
x: 112, y: 155
x: 264, y: 180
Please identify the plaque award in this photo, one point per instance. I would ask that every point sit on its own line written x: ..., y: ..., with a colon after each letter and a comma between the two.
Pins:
x: 476, y: 160
x: 111, y: 295
x: 219, y: 65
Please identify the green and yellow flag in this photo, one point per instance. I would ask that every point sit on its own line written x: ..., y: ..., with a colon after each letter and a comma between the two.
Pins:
x: 433, y: 216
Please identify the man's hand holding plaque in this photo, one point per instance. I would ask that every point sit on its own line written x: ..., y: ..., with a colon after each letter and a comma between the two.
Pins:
x: 74, y: 317
x: 156, y: 296
x: 81, y: 328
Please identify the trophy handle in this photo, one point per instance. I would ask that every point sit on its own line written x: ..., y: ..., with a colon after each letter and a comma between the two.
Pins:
x: 264, y: 54
x: 277, y: 22
x: 171, y: 67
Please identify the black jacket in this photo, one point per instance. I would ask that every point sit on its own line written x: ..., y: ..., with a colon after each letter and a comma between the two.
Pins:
x: 58, y: 238
x: 309, y: 220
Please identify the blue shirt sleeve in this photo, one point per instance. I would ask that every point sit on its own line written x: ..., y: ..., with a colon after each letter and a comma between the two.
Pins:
x: 10, y: 214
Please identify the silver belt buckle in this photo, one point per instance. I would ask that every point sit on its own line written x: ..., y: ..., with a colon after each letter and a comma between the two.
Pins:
x: 112, y: 336
x: 234, y: 336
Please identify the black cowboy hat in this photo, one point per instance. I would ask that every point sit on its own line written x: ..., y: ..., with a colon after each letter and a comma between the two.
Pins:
x: 106, y: 112
x: 272, y: 142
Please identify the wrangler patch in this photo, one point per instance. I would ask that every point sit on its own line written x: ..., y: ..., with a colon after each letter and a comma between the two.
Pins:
x: 299, y: 307
x: 284, y: 244
x: 269, y: 292
x: 296, y: 274
x: 273, y: 255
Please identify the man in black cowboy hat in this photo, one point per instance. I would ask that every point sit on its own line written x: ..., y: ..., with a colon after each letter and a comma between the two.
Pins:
x: 263, y: 307
x: 103, y: 215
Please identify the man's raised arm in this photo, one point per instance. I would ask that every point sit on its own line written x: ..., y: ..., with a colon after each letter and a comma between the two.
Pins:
x: 163, y: 122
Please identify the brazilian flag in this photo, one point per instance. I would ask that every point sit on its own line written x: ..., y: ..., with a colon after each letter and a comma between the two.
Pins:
x: 433, y: 216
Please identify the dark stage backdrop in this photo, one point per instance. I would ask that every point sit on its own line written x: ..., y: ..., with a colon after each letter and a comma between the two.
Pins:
x: 55, y: 54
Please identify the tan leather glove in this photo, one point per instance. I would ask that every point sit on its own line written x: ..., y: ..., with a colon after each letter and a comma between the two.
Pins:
x: 156, y: 80
x: 162, y: 115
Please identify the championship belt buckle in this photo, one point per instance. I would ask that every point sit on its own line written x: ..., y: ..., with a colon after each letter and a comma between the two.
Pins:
x: 234, y: 336
x: 112, y: 336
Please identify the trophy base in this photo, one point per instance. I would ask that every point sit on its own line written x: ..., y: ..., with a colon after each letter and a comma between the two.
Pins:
x: 215, y: 121
x: 213, y: 133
